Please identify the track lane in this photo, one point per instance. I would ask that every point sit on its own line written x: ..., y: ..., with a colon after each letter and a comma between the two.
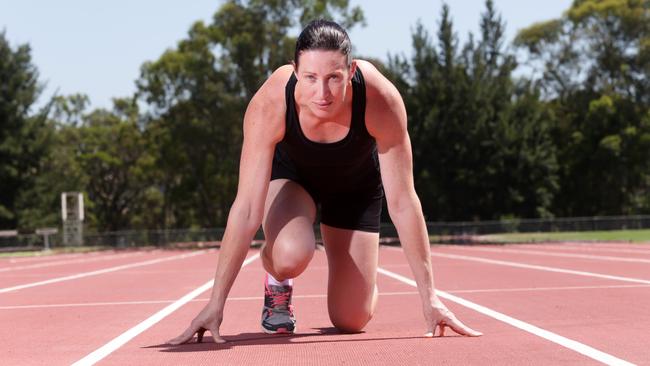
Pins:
x: 41, y: 256
x: 33, y: 275
x: 542, y: 251
x: 600, y: 264
x: 100, y: 353
x: 69, y: 334
x: 394, y: 335
x: 589, y: 316
x: 619, y: 250
x: 68, y: 261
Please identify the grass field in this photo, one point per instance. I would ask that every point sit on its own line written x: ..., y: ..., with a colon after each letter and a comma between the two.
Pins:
x: 636, y: 236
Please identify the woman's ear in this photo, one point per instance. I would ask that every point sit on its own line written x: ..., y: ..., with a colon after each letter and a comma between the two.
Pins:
x: 295, y: 69
x: 353, y: 69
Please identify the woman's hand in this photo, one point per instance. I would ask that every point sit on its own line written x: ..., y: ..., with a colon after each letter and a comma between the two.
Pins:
x: 438, y: 316
x: 208, y: 319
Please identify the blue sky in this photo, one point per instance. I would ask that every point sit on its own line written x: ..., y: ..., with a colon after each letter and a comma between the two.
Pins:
x: 96, y: 48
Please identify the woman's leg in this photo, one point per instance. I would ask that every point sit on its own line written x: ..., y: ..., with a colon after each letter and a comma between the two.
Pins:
x: 352, y: 257
x: 288, y: 226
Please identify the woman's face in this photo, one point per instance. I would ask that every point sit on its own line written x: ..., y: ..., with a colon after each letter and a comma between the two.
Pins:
x: 323, y: 79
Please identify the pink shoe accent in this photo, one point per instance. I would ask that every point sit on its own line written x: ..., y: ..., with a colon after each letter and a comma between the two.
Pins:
x: 278, y: 298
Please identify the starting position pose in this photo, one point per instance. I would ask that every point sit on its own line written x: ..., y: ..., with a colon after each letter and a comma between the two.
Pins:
x: 326, y: 131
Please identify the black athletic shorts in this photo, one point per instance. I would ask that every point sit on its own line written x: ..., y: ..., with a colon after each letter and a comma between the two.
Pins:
x: 360, y: 210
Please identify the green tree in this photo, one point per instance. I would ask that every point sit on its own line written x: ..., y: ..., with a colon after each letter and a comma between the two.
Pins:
x: 102, y: 153
x: 593, y: 65
x: 197, y: 94
x: 113, y: 153
x: 481, y: 141
x: 20, y: 134
x: 39, y: 203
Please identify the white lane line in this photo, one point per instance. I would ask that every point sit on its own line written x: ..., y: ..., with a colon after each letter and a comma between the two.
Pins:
x: 587, y: 248
x: 563, y: 247
x: 535, y: 289
x: 469, y: 291
x: 541, y: 268
x: 86, y: 304
x: 576, y: 346
x: 613, y: 245
x: 123, y: 338
x: 101, y: 271
x: 566, y: 255
x: 40, y: 257
x: 72, y: 261
x: 145, y: 302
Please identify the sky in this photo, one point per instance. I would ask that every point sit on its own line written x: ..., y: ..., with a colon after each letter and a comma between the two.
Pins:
x: 97, y: 47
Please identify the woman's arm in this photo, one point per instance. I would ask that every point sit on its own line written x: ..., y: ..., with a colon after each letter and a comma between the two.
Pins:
x: 386, y: 120
x: 263, y: 128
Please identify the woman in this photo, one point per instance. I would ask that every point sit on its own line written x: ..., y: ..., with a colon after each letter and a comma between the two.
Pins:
x: 326, y: 131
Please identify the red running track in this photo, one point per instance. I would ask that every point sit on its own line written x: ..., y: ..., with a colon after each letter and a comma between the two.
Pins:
x: 593, y: 301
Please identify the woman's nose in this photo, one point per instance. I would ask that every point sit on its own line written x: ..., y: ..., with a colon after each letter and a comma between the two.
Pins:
x: 323, y: 90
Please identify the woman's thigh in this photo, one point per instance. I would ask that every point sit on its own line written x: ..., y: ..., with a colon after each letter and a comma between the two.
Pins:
x: 352, y: 257
x: 289, y: 215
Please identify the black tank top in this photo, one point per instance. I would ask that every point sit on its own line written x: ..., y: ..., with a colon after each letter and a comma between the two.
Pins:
x: 347, y: 166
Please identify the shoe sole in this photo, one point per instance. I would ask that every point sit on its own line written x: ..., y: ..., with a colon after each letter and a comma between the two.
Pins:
x: 279, y: 330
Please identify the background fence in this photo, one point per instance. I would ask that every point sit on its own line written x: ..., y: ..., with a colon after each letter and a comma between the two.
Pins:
x: 462, y: 230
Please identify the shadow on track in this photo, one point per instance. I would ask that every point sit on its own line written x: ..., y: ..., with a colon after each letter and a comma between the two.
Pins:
x: 320, y: 335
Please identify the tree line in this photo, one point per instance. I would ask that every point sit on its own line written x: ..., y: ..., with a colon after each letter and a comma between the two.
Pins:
x: 554, y: 124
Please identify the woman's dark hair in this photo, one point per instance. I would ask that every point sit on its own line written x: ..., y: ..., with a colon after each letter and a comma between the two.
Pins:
x: 324, y: 35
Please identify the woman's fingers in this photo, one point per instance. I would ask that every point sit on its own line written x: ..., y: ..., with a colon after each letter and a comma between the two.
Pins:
x: 460, y: 328
x: 185, y: 336
x: 217, y: 338
x: 199, y: 335
x: 188, y: 334
x: 449, y: 320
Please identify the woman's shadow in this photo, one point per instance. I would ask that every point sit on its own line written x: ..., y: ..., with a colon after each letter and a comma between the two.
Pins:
x: 320, y: 335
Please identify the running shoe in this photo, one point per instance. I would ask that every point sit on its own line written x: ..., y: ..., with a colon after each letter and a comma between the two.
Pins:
x: 277, y: 314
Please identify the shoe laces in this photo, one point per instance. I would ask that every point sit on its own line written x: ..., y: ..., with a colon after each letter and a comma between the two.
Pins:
x: 279, y: 299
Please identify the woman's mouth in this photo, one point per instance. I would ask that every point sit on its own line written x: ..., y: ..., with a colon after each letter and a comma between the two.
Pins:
x: 322, y: 104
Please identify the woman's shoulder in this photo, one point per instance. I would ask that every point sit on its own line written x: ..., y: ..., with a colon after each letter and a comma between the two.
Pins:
x: 273, y: 88
x: 266, y: 110
x: 377, y: 85
x: 270, y: 96
x: 384, y: 105
x: 379, y: 90
x: 281, y: 75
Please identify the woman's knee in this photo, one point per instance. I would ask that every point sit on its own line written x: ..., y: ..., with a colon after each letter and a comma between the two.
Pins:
x: 349, y: 314
x: 351, y: 322
x: 287, y: 260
